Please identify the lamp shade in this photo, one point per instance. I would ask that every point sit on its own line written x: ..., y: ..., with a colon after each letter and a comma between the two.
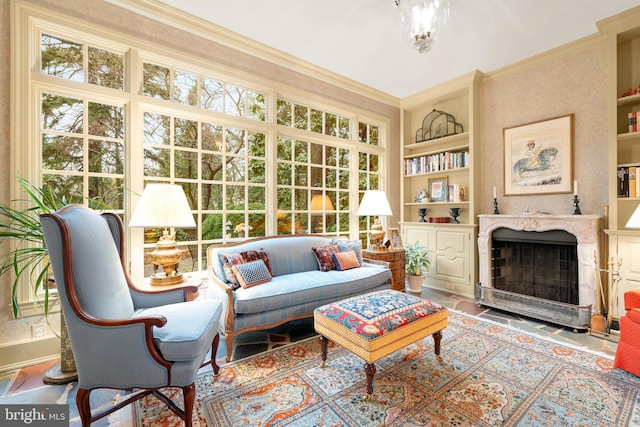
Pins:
x: 634, y: 221
x: 317, y: 202
x: 374, y: 203
x: 162, y: 206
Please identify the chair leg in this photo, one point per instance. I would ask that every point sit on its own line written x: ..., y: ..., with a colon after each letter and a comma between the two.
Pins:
x: 228, y: 337
x: 189, y: 393
x: 214, y: 351
x: 84, y: 409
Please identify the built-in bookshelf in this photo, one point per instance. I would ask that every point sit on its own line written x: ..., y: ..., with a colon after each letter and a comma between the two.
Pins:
x: 623, y: 36
x: 440, y: 173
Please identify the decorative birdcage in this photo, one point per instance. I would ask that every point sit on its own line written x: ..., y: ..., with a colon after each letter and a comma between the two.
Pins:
x: 437, y: 124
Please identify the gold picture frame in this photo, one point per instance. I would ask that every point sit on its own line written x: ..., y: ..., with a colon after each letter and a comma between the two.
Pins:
x: 538, y: 157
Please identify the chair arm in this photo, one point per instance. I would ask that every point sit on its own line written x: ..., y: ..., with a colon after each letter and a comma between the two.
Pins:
x: 221, y: 289
x: 377, y: 262
x: 632, y: 299
x: 153, y: 298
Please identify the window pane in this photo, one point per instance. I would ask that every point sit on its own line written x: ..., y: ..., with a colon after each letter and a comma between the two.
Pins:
x: 185, y: 88
x: 211, y: 137
x: 374, y: 135
x: 257, y: 106
x: 62, y: 153
x: 343, y: 125
x: 156, y: 81
x: 212, y: 95
x: 301, y: 117
x: 156, y: 162
x: 301, y: 152
x: 317, y: 124
x: 106, y: 68
x: 156, y: 129
x: 284, y: 174
x: 212, y: 197
x: 257, y: 144
x: 300, y: 174
x: 285, y: 149
x: 235, y: 197
x: 284, y: 113
x: 235, y: 141
x: 257, y: 170
x: 61, y: 58
x: 301, y: 202
x: 106, y: 157
x: 257, y: 225
x: 186, y: 133
x: 257, y: 200
x: 106, y: 120
x: 236, y: 171
x: 331, y: 125
x: 234, y: 101
x: 67, y: 186
x: 62, y: 113
x: 212, y: 227
x: 212, y: 167
x: 186, y: 164
x: 284, y: 199
x: 106, y: 192
x: 362, y: 132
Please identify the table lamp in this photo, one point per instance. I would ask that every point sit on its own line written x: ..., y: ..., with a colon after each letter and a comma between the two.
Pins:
x: 320, y: 203
x: 164, y: 206
x: 375, y: 203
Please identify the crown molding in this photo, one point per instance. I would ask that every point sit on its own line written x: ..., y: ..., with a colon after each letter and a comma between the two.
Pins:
x: 169, y: 15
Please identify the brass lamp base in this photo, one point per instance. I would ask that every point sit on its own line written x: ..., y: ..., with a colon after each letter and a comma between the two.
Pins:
x: 161, y: 279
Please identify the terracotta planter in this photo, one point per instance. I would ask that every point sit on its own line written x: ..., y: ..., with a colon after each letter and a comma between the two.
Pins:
x: 415, y: 284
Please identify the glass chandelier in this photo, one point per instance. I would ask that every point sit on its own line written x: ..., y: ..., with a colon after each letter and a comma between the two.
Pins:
x: 422, y: 21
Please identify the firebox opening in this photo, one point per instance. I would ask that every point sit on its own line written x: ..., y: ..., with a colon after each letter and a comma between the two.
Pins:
x: 541, y: 264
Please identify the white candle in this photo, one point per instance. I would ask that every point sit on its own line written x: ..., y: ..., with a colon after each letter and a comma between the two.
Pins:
x: 494, y: 192
x: 575, y: 188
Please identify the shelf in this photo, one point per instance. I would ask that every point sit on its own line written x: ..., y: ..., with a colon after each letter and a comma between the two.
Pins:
x: 629, y: 136
x: 449, y: 149
x: 438, y: 141
x: 435, y: 203
x: 631, y: 99
x: 445, y: 171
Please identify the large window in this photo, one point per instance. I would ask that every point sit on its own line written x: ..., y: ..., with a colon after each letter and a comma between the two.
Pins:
x: 114, y: 116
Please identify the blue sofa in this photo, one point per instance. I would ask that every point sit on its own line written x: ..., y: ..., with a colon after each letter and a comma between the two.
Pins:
x: 298, y: 285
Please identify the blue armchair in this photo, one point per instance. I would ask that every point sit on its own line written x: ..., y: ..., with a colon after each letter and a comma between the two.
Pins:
x: 121, y: 337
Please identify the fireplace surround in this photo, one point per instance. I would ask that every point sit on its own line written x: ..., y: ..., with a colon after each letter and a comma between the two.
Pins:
x: 585, y: 230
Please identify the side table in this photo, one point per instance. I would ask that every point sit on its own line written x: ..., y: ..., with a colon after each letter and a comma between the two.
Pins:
x: 395, y: 258
x: 191, y: 281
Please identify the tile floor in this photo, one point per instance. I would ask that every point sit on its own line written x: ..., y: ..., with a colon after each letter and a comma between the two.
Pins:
x: 26, y: 385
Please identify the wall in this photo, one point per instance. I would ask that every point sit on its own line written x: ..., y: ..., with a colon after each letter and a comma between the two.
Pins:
x: 573, y: 79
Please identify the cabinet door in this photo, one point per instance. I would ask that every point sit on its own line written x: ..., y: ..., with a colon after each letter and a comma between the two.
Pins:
x: 452, y: 255
x: 628, y: 252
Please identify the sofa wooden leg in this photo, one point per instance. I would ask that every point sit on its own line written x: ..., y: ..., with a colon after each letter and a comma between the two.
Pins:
x: 84, y: 409
x: 189, y: 393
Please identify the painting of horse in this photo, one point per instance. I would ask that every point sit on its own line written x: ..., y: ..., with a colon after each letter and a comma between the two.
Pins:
x: 546, y: 157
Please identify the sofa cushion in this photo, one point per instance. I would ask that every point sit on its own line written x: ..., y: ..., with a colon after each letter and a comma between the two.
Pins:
x: 251, y: 273
x: 256, y: 255
x: 345, y: 245
x: 228, y: 261
x: 345, y: 260
x: 324, y: 256
x: 301, y: 288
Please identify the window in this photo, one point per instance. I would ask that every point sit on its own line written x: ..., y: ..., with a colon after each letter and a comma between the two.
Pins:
x: 113, y: 115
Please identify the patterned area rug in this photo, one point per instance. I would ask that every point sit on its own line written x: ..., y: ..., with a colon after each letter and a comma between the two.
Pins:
x: 489, y: 375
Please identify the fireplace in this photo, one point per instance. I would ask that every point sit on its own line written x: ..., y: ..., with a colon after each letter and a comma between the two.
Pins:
x: 541, y: 266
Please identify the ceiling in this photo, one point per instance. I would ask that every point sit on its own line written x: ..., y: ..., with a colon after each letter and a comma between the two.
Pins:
x: 360, y: 39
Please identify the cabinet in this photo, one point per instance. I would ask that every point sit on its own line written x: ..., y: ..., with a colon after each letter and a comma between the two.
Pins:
x: 623, y: 38
x: 450, y: 161
x: 395, y: 258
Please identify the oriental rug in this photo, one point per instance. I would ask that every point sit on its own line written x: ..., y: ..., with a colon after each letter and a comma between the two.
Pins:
x: 490, y: 375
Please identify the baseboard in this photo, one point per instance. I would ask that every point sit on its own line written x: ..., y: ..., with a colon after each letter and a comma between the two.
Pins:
x: 20, y: 354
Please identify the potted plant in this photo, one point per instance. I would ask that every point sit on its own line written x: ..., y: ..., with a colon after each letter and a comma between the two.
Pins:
x: 417, y: 260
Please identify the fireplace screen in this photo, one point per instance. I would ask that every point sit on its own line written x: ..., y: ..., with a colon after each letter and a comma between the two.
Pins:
x: 539, y: 264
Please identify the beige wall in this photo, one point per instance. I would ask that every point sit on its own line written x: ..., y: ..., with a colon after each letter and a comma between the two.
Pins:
x: 571, y: 80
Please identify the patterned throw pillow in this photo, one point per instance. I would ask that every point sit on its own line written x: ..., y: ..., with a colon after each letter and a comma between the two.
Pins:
x: 324, y: 258
x: 228, y: 261
x: 345, y: 260
x: 256, y: 255
x: 345, y: 245
x: 251, y: 273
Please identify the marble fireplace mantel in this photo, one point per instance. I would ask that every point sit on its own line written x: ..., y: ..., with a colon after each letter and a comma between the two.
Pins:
x: 586, y: 229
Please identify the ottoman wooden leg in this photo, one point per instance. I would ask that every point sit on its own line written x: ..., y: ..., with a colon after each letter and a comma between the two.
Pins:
x: 370, y: 371
x: 437, y: 338
x: 324, y: 343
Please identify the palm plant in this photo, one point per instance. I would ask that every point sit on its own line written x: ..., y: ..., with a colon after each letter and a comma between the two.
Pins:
x: 29, y: 256
x: 417, y: 259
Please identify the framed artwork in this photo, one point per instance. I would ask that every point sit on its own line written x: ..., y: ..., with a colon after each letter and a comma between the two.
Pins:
x: 438, y: 188
x: 395, y: 242
x: 538, y: 157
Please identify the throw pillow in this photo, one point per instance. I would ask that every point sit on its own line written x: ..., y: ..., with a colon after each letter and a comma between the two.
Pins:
x: 251, y: 273
x: 346, y: 260
x: 256, y: 255
x: 228, y: 261
x: 324, y: 257
x: 345, y: 245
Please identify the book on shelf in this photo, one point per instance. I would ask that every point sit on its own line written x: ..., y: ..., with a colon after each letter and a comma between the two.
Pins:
x: 633, y: 121
x: 436, y: 162
x: 632, y: 181
x: 623, y: 181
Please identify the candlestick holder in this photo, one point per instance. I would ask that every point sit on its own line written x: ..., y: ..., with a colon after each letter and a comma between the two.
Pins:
x: 576, y: 205
x: 495, y: 207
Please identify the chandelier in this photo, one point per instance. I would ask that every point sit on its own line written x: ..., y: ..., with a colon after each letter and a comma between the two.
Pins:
x: 422, y: 21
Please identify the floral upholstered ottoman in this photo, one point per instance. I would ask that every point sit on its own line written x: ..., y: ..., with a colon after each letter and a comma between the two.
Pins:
x: 376, y: 324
